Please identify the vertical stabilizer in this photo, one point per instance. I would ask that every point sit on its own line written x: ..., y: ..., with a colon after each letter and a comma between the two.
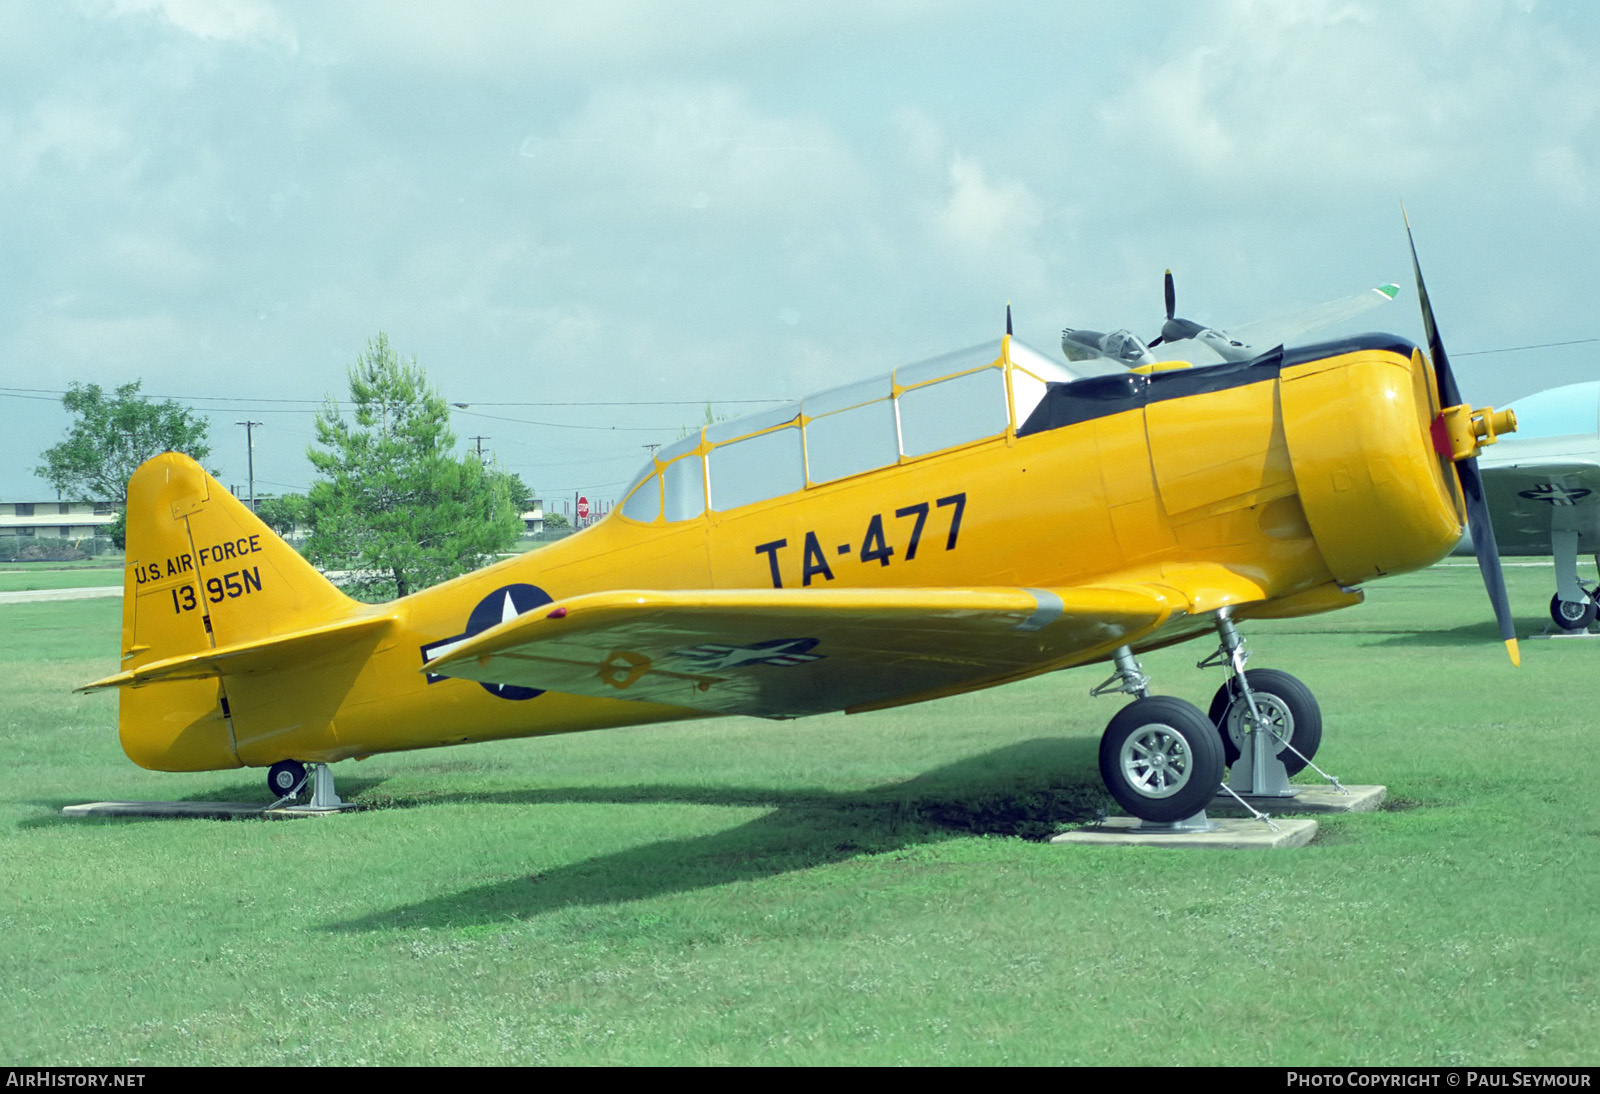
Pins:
x: 202, y: 571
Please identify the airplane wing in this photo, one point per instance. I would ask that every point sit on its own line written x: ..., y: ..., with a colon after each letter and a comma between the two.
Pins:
x: 781, y: 653
x: 1535, y: 494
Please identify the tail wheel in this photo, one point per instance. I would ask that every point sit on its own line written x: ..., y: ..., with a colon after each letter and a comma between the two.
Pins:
x: 1288, y: 706
x: 1161, y: 759
x: 284, y: 776
x: 1570, y: 616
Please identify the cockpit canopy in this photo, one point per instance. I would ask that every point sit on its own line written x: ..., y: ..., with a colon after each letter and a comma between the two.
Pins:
x: 917, y: 410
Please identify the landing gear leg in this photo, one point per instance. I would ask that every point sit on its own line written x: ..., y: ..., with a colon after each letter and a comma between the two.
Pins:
x: 1269, y: 722
x: 1160, y: 757
x: 1572, y: 608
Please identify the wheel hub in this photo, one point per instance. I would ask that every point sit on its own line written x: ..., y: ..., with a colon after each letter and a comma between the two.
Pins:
x: 1157, y: 761
x: 1279, y: 722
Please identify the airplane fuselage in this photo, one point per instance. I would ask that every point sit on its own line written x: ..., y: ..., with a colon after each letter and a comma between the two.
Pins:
x: 1273, y: 486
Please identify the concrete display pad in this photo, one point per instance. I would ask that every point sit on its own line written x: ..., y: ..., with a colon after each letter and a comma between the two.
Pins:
x: 195, y: 810
x: 1310, y: 799
x: 1231, y: 834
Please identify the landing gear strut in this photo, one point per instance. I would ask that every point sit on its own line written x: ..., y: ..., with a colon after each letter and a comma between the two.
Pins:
x: 1573, y: 607
x: 1289, y: 709
x: 1269, y: 723
x: 1160, y: 757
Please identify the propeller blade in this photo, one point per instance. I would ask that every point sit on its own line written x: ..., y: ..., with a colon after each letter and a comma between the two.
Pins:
x: 1483, y: 543
x: 1172, y: 296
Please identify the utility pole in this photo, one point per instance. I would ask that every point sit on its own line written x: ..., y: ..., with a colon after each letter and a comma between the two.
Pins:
x: 250, y: 448
x: 480, y: 441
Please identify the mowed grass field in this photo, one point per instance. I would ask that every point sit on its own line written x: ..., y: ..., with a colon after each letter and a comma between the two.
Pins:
x: 838, y: 890
x: 23, y: 577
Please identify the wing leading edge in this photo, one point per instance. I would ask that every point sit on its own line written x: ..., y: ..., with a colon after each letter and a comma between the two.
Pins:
x: 780, y: 653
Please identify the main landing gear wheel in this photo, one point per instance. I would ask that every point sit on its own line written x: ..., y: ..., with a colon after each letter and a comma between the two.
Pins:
x: 1161, y: 759
x: 1570, y: 616
x: 284, y: 776
x: 1288, y: 706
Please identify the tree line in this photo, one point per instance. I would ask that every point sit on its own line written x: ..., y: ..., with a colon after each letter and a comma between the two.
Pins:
x: 394, y: 506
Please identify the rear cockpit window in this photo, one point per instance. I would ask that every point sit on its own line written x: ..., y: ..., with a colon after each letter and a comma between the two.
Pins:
x: 951, y: 412
x: 848, y: 442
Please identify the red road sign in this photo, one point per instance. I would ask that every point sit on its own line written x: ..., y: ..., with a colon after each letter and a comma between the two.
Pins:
x: 583, y: 508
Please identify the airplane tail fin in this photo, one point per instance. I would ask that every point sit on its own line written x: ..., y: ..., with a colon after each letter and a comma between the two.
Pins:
x: 203, y: 574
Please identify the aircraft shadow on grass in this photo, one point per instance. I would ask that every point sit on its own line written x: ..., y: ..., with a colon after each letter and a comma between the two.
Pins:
x: 1020, y: 790
x: 1476, y: 635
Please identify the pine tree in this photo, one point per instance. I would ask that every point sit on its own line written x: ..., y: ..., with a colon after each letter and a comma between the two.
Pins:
x: 395, y: 504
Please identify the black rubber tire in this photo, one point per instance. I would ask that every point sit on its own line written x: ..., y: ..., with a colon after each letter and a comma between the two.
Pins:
x: 1161, y: 759
x: 1289, y: 703
x: 1567, y: 616
x: 284, y: 776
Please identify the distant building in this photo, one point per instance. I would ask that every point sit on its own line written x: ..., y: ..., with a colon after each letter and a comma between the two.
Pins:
x: 533, y: 517
x: 69, y: 520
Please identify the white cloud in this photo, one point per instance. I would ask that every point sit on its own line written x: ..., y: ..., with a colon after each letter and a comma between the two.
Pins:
x: 70, y: 135
x: 689, y: 149
x: 982, y: 216
x: 215, y: 20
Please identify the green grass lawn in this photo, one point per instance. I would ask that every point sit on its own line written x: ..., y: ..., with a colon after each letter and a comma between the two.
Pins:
x: 839, y: 890
x: 21, y: 576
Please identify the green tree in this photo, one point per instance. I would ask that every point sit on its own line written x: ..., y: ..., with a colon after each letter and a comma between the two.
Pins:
x: 396, y: 504
x: 110, y: 436
x: 283, y: 514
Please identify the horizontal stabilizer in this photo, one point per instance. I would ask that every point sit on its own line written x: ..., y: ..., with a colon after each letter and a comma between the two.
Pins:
x: 260, y: 655
x: 788, y: 652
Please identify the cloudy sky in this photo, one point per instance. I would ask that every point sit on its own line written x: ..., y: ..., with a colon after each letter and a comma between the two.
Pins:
x: 588, y: 221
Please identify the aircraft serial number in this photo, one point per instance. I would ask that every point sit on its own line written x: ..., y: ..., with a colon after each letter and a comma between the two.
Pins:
x: 231, y: 585
x: 875, y: 546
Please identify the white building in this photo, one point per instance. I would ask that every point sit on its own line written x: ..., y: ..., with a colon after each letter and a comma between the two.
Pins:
x: 69, y: 520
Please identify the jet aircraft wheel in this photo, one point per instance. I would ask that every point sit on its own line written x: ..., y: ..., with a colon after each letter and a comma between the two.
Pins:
x: 1161, y: 759
x: 284, y: 776
x: 1570, y: 616
x: 1289, y: 707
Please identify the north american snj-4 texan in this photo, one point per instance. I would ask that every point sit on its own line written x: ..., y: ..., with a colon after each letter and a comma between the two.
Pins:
x: 951, y: 525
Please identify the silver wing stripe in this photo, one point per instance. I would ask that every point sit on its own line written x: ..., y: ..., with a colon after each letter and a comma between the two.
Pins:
x: 1047, y: 609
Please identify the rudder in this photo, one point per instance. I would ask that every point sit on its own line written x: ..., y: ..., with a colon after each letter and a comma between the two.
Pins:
x: 203, y: 571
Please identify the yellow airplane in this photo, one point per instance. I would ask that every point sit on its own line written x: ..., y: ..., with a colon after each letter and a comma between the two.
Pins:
x: 957, y: 524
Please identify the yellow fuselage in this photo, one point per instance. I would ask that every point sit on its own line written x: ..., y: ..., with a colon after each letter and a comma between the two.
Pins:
x: 1275, y: 490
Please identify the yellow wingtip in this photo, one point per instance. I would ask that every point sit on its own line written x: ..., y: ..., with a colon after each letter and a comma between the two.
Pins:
x: 1516, y: 655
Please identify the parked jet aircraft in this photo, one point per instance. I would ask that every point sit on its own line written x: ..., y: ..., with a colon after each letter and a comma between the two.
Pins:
x: 1543, y: 488
x: 1243, y: 343
x: 953, y: 525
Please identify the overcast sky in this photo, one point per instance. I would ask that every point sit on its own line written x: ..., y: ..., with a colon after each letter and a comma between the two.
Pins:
x: 619, y: 201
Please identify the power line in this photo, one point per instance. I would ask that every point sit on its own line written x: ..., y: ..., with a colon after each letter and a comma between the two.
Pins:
x: 40, y: 392
x: 1518, y: 349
